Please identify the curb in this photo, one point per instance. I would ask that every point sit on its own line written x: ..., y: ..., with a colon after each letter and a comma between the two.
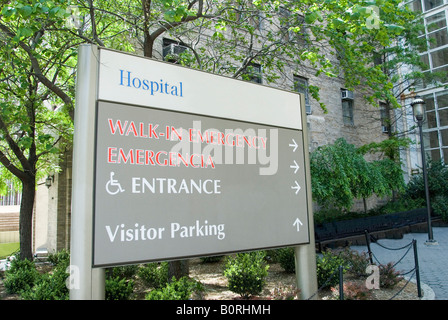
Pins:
x: 428, y: 293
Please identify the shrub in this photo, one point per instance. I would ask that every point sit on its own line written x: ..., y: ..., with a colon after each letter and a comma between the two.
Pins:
x: 181, y: 289
x: 60, y: 258
x: 438, y: 187
x: 440, y: 206
x: 154, y: 274
x: 246, y: 273
x: 211, y: 259
x: 353, y: 291
x: 20, y: 276
x: 127, y: 272
x: 49, y: 286
x: 286, y: 258
x: 389, y: 277
x: 327, y: 269
x: 355, y: 262
x: 119, y: 289
x: 284, y: 292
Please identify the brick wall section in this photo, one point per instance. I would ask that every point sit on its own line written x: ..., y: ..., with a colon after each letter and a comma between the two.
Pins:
x: 64, y: 203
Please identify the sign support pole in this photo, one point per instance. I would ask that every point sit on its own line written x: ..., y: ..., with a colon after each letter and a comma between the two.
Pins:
x: 305, y: 255
x: 85, y: 282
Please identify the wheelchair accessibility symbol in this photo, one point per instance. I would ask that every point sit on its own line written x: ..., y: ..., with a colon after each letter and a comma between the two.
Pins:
x: 113, y: 186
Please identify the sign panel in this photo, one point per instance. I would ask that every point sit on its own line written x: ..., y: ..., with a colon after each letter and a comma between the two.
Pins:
x: 172, y: 185
x: 182, y: 171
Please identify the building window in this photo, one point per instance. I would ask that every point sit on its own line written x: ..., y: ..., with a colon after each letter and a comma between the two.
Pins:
x: 253, y: 73
x: 415, y: 5
x: 437, y: 31
x: 431, y: 4
x: 172, y: 50
x: 436, y: 58
x: 347, y: 107
x: 436, y: 125
x: 385, y: 118
x: 424, y: 5
x: 301, y: 86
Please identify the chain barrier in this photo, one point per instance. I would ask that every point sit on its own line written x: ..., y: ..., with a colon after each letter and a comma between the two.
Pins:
x: 414, y: 271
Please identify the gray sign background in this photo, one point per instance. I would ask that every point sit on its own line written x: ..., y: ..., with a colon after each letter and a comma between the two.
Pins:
x: 257, y: 211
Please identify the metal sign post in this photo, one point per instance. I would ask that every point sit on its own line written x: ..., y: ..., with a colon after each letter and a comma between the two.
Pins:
x: 85, y: 282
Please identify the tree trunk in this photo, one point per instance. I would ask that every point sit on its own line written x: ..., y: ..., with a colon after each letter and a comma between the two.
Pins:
x: 26, y: 218
x: 148, y: 46
x: 365, y: 204
x: 178, y: 269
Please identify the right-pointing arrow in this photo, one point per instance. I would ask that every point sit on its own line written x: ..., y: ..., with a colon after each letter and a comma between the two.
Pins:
x: 296, y: 187
x: 294, y: 144
x: 295, y: 166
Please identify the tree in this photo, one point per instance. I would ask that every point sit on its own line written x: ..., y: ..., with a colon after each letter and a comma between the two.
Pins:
x: 32, y: 131
x: 340, y: 174
x: 37, y: 84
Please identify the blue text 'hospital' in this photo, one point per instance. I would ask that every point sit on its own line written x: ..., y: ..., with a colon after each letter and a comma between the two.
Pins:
x: 161, y: 86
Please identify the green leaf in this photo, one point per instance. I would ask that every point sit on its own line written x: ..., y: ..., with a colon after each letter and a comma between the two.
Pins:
x: 8, y: 12
x: 25, y: 32
x: 25, y: 11
x: 395, y: 28
x: 310, y: 17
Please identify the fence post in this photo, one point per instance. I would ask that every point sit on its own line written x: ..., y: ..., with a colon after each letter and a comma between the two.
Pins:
x: 366, y: 233
x: 417, y: 269
x: 341, y: 283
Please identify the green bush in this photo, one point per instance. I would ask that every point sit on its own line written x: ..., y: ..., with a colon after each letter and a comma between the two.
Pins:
x: 127, y: 272
x: 286, y: 258
x: 440, y: 206
x: 437, y: 173
x: 119, y: 289
x: 246, y: 273
x: 211, y: 259
x: 52, y: 285
x: 21, y: 275
x: 60, y: 258
x: 154, y: 274
x: 181, y: 289
x: 327, y: 269
x: 49, y: 286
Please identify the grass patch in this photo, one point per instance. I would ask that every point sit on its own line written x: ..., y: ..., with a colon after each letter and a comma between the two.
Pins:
x: 7, y: 249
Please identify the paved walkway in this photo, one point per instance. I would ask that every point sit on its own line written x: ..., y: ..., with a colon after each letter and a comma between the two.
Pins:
x: 432, y: 259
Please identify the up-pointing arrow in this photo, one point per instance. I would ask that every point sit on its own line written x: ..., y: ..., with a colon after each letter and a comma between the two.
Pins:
x: 295, y: 166
x: 294, y: 144
x: 297, y: 187
x: 297, y: 223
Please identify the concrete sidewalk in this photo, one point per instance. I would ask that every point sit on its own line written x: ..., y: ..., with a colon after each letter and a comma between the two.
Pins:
x: 432, y: 259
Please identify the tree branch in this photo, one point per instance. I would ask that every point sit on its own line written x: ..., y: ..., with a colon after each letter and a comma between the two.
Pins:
x: 38, y: 71
x: 14, y: 146
x: 12, y: 168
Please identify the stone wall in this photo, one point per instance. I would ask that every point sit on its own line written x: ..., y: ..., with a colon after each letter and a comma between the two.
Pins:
x: 59, y: 206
